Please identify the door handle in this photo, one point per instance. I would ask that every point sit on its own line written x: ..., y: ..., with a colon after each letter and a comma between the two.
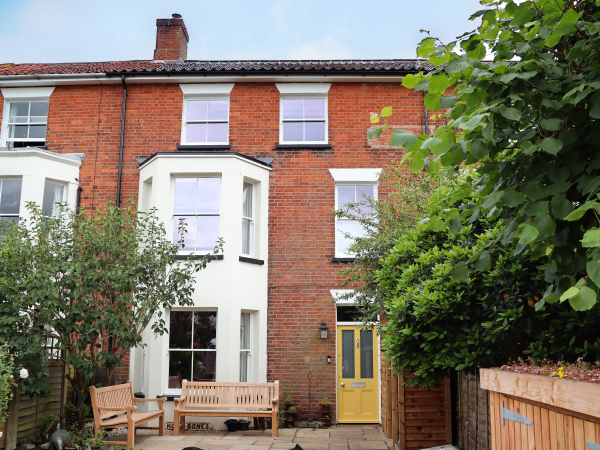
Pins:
x: 356, y: 343
x: 342, y: 385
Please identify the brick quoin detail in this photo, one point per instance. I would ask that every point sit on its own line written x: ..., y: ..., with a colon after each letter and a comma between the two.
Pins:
x: 86, y: 119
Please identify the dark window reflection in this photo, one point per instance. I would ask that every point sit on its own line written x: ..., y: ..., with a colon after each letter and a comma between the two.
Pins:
x: 347, y: 313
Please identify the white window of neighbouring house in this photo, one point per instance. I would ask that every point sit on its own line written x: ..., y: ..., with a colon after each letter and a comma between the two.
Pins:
x: 303, y: 113
x: 192, y: 347
x: 356, y: 187
x: 54, y: 194
x: 10, y: 199
x: 205, y: 114
x: 27, y: 124
x: 245, y: 346
x: 197, y: 202
x: 248, y: 220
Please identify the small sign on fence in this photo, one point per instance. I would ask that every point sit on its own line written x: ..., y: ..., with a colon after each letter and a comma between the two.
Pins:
x: 191, y: 426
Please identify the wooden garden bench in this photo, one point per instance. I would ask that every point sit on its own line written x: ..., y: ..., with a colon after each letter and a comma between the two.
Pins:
x: 119, y: 401
x: 209, y: 399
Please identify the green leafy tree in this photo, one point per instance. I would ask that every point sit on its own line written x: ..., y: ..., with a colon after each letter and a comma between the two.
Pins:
x: 529, y: 119
x: 88, y: 284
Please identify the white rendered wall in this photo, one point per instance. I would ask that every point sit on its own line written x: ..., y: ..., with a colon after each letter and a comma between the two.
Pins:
x: 228, y: 286
x: 34, y: 167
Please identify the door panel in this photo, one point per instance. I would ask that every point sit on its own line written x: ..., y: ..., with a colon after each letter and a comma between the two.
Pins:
x: 358, y: 380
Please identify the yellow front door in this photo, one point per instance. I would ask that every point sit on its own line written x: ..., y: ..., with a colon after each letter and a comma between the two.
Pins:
x: 358, y: 376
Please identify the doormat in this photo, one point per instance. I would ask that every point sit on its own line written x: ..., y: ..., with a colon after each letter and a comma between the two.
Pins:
x: 192, y: 426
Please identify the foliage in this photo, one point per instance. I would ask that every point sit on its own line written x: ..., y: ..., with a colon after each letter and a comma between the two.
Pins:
x: 383, y: 222
x: 91, y: 284
x: 288, y: 399
x: 579, y: 370
x: 86, y: 438
x: 45, y: 428
x: 325, y: 401
x: 72, y: 413
x: 28, y: 440
x: 531, y: 124
x: 458, y: 298
x: 7, y: 369
x: 292, y: 409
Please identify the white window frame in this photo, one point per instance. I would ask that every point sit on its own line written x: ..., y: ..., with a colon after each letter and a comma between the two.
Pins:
x: 303, y: 91
x: 65, y: 193
x: 173, y: 214
x: 205, y: 92
x: 250, y: 342
x: 353, y: 177
x: 18, y: 95
x: 17, y: 215
x: 168, y: 353
x: 252, y: 221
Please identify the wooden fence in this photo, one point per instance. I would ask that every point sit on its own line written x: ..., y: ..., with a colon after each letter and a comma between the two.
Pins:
x: 473, y: 414
x: 415, y: 417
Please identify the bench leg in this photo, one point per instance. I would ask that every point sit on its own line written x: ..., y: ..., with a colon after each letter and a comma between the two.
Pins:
x: 275, y: 424
x: 176, y: 423
x: 161, y: 425
x: 130, y: 437
x: 182, y: 422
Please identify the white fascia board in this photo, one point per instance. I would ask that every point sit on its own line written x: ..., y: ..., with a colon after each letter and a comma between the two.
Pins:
x: 191, y: 155
x: 355, y: 175
x: 44, y: 154
x: 303, y: 88
x: 337, y: 294
x: 27, y: 93
x: 206, y: 89
x: 100, y: 78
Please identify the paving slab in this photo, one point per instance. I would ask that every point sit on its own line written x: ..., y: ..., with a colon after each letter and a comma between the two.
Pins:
x: 366, y: 445
x: 250, y: 447
x: 311, y: 432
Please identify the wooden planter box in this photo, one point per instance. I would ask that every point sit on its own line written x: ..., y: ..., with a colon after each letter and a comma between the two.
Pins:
x: 541, y: 412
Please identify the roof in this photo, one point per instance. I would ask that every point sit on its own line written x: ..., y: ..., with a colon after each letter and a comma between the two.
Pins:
x: 266, y: 67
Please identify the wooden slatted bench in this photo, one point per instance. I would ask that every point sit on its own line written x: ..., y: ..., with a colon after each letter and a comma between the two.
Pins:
x: 208, y: 399
x: 119, y: 400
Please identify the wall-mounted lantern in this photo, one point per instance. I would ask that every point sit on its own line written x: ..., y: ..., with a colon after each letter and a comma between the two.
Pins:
x: 323, y: 330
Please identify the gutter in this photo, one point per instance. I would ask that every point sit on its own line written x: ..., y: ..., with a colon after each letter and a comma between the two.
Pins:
x: 123, y: 111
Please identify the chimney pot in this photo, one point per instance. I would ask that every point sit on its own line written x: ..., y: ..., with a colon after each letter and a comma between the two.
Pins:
x: 171, y: 39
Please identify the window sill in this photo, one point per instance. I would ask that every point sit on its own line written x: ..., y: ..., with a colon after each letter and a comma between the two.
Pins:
x: 245, y: 259
x: 170, y: 397
x: 205, y: 147
x: 343, y: 259
x: 211, y: 257
x: 301, y: 145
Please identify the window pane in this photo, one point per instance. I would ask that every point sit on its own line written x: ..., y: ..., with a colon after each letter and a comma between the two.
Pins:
x: 205, y: 330
x: 218, y: 109
x: 247, y: 200
x: 347, y: 353
x: 314, y: 131
x: 196, y: 110
x: 18, y: 131
x: 366, y: 353
x: 208, y: 232
x: 19, y: 109
x: 217, y: 132
x: 293, y: 131
x: 37, y: 131
x: 244, y: 357
x: 10, y: 196
x: 53, y: 194
x: 180, y: 329
x: 346, y: 194
x: 196, y: 132
x: 39, y: 109
x: 38, y: 119
x: 292, y: 108
x: 185, y: 195
x: 245, y: 331
x: 343, y: 243
x: 180, y: 367
x: 246, y: 236
x: 314, y: 108
x: 209, y: 195
x: 205, y: 366
x: 347, y: 313
x: 363, y: 193
x: 189, y: 238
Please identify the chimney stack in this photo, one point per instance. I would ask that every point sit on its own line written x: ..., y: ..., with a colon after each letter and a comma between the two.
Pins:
x: 171, y: 39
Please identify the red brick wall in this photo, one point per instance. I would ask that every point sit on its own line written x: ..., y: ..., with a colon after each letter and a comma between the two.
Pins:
x: 302, y: 192
x: 171, y: 40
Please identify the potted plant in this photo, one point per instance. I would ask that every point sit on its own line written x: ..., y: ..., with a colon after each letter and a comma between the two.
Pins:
x: 281, y: 419
x: 288, y: 402
x: 290, y: 419
x: 326, y: 421
x: 325, y: 406
x: 232, y: 425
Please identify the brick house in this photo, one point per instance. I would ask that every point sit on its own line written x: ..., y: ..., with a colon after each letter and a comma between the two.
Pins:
x: 257, y: 152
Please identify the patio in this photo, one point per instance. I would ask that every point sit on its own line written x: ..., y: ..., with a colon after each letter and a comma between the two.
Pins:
x: 350, y: 437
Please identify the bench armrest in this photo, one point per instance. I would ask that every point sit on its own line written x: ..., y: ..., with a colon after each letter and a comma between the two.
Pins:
x: 160, y: 401
x: 123, y: 408
x: 179, y: 403
x: 275, y: 403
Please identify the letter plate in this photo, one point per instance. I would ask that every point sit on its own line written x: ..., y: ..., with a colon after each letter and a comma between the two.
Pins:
x: 358, y: 384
